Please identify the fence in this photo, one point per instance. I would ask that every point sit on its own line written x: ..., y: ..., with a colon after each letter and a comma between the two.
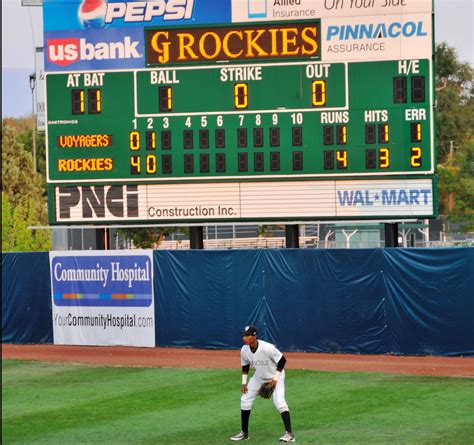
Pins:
x: 371, y: 301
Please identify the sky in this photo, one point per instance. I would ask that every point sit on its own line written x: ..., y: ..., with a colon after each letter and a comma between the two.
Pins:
x: 22, y: 32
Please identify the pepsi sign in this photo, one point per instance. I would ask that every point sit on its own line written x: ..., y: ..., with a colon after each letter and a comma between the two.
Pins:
x: 97, y: 14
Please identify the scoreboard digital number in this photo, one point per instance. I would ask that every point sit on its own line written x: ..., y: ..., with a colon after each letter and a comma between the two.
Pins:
x: 241, y: 103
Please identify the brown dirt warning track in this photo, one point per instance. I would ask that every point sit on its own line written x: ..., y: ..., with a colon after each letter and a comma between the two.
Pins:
x: 200, y: 358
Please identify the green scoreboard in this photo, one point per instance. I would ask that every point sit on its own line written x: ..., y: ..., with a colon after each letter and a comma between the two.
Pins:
x: 261, y: 120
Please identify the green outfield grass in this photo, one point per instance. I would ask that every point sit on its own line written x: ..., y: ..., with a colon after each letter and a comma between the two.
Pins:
x: 76, y: 404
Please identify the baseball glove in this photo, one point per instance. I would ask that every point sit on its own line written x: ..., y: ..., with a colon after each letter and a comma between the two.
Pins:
x: 266, y: 390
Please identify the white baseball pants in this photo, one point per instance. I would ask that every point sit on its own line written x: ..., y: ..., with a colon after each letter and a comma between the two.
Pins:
x: 247, y: 399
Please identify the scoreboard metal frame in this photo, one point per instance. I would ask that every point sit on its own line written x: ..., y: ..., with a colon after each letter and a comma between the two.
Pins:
x: 304, y: 138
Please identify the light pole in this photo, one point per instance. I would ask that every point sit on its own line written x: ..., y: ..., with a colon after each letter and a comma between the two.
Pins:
x: 32, y: 86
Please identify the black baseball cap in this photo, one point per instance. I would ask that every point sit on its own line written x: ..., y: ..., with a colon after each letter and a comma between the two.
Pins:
x: 249, y: 330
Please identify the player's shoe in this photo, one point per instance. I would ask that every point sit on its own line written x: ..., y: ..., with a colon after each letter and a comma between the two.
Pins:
x: 239, y: 437
x: 287, y: 437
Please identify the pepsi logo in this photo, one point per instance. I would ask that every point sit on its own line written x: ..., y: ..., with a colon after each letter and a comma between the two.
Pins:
x: 92, y: 13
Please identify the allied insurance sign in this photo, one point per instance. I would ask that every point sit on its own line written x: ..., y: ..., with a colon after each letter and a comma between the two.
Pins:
x: 246, y: 110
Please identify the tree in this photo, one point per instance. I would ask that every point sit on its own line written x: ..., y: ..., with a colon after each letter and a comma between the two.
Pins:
x: 7, y: 219
x: 23, y: 201
x: 22, y: 237
x: 148, y: 237
x: 23, y: 130
x: 16, y: 234
x: 268, y: 230
x: 26, y: 138
x: 455, y: 135
x: 19, y: 180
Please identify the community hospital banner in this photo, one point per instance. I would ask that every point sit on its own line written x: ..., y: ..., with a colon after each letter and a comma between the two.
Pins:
x: 103, y: 298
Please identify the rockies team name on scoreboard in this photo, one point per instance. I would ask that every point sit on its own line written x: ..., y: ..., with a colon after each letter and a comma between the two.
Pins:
x: 272, y: 116
x: 233, y: 43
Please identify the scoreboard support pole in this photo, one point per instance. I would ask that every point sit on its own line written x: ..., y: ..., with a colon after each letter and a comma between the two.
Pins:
x: 196, y: 240
x: 292, y: 236
x: 391, y: 234
x: 102, y: 239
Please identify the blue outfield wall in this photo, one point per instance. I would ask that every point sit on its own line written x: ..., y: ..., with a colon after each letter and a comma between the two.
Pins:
x: 369, y: 301
x: 26, y: 298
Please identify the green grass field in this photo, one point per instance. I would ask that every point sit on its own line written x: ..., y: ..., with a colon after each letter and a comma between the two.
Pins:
x: 46, y: 403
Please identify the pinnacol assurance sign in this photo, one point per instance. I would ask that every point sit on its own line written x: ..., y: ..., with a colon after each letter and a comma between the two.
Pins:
x: 99, y: 298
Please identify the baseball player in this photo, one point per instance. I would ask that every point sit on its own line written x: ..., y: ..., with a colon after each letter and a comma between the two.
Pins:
x: 268, y: 363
